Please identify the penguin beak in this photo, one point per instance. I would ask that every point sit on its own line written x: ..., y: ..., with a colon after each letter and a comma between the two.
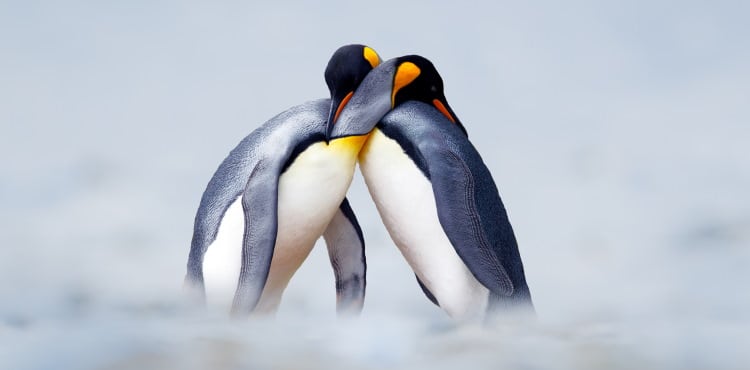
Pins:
x: 337, y: 104
x: 363, y: 110
x: 442, y: 106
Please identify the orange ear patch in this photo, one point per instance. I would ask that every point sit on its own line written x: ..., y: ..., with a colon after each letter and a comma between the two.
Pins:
x: 439, y: 105
x: 371, y: 56
x: 405, y: 74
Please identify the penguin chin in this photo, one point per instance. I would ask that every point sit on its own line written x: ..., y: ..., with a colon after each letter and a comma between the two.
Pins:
x: 356, y: 126
x: 348, y: 146
x: 359, y: 124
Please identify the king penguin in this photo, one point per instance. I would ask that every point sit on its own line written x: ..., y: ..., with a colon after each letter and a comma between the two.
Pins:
x: 434, y: 193
x: 276, y: 193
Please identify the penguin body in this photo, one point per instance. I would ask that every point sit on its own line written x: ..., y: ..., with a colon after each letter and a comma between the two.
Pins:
x: 276, y: 193
x: 442, y: 209
x: 404, y: 198
x: 434, y: 193
x: 265, y: 207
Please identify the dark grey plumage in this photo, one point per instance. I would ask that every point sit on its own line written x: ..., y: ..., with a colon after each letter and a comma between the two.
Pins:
x: 469, y: 206
x: 252, y: 170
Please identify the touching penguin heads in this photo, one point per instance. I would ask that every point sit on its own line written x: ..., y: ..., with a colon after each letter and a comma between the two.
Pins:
x: 406, y: 78
x: 345, y: 71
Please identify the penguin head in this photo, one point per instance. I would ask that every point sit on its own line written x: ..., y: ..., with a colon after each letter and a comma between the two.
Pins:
x: 393, y: 82
x: 421, y: 82
x: 346, y: 69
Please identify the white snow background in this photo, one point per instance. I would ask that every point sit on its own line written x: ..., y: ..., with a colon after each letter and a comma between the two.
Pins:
x: 617, y: 132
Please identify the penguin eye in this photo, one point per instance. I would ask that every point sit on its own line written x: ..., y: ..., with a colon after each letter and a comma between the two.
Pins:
x: 433, y: 88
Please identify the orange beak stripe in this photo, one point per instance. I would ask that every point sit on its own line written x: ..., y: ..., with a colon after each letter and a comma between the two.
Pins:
x: 439, y: 105
x: 341, y: 106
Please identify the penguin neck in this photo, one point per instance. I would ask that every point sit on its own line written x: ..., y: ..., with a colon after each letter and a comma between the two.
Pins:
x: 351, y: 145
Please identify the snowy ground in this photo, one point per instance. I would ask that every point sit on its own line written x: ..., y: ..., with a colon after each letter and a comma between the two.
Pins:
x: 617, y: 134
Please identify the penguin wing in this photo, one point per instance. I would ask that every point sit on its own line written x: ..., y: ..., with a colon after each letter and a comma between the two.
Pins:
x: 457, y: 194
x: 469, y: 207
x: 227, y: 184
x: 346, y: 249
x: 280, y: 139
x: 259, y: 203
x: 476, y: 222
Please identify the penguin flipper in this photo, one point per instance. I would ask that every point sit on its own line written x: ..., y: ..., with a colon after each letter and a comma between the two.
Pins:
x: 469, y: 207
x: 457, y: 195
x: 346, y: 250
x: 260, y: 207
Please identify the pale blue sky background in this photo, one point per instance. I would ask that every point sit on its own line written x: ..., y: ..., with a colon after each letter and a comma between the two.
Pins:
x: 617, y: 133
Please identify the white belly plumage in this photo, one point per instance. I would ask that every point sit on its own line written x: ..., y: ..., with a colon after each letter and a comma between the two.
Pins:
x: 310, y: 192
x: 405, y: 201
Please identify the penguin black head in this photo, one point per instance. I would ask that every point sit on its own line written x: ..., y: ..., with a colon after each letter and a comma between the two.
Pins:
x: 345, y: 71
x: 393, y: 82
x: 417, y: 79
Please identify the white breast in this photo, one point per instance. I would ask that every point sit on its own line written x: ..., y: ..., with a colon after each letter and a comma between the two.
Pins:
x: 405, y: 201
x: 310, y: 192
